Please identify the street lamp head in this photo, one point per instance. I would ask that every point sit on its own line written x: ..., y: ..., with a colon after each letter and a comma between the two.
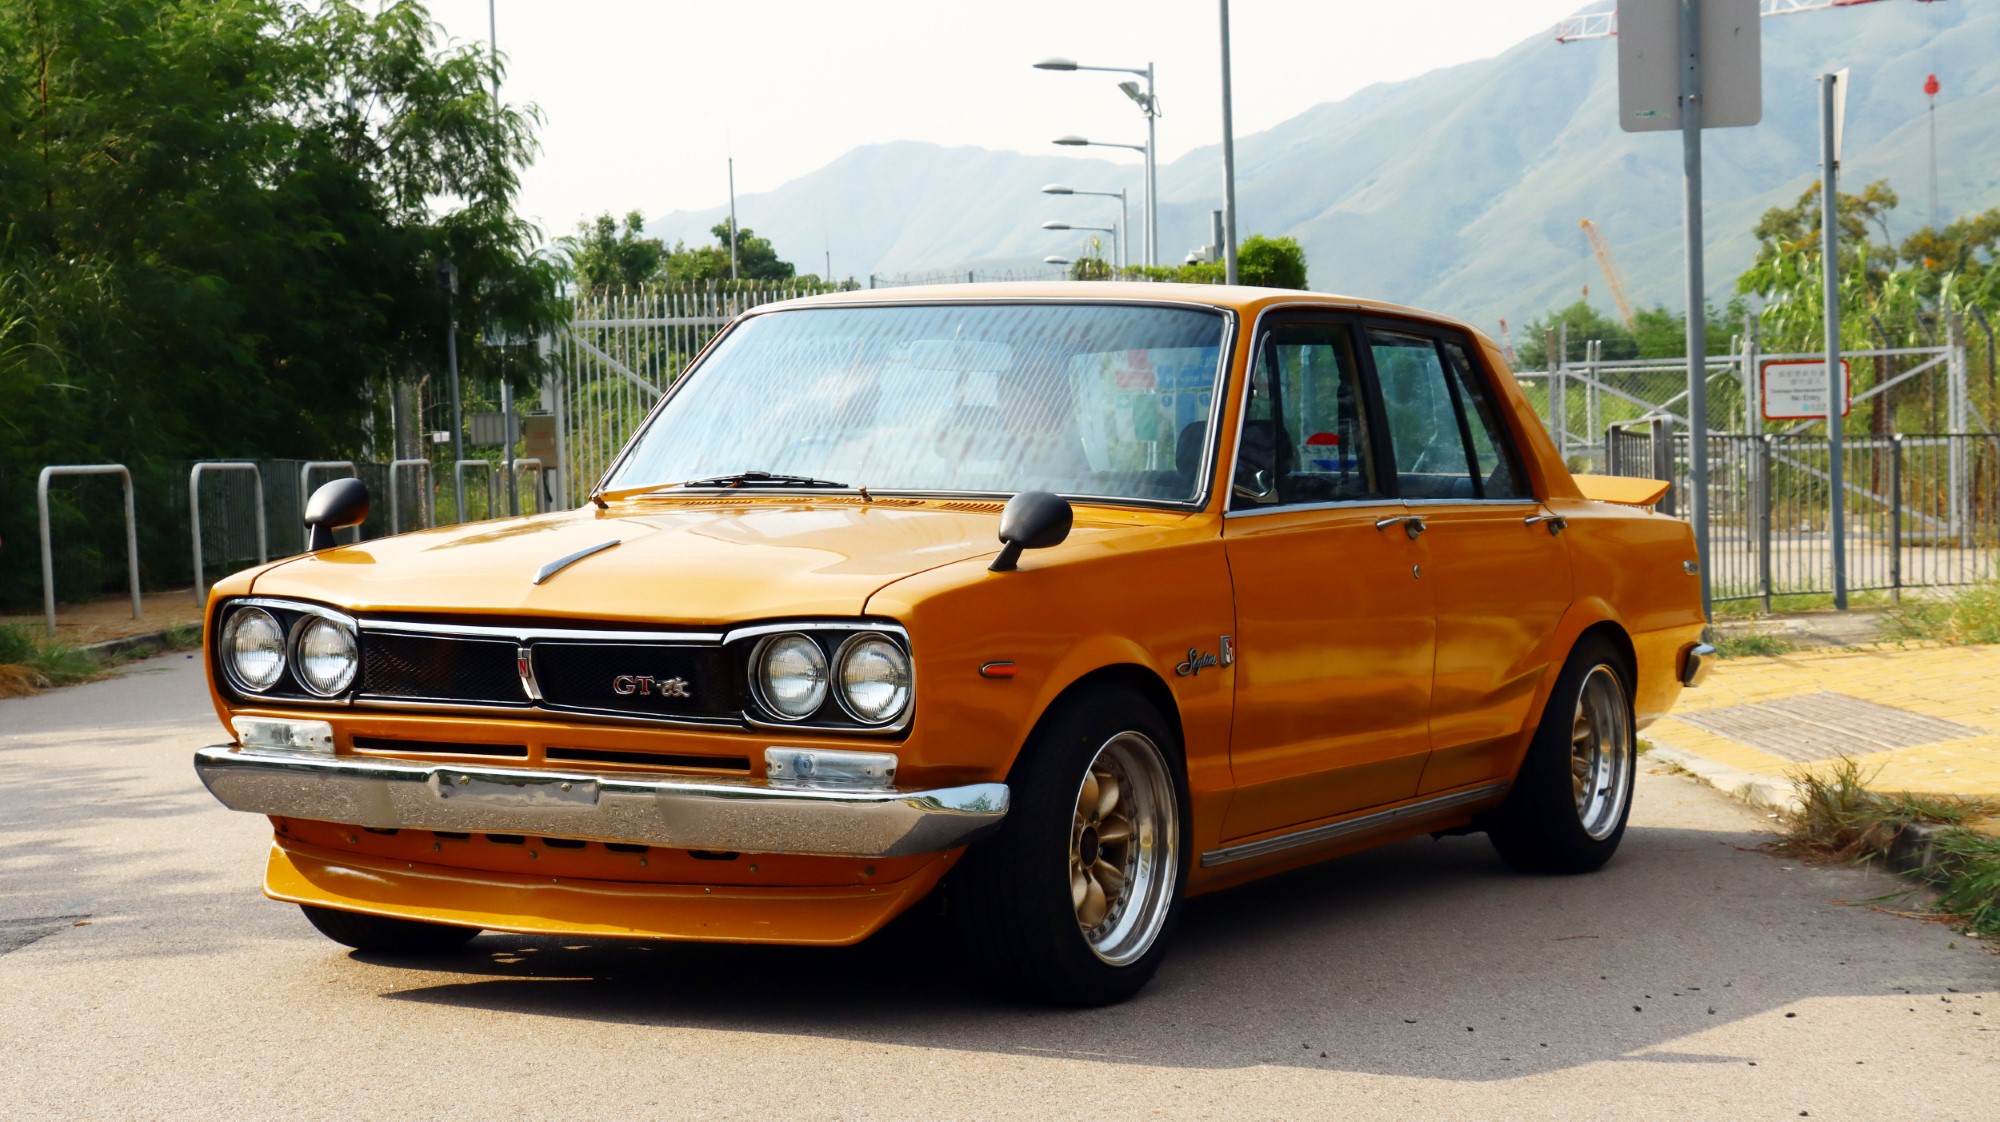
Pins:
x: 1055, y: 225
x: 1071, y: 141
x: 1132, y: 91
x: 1058, y: 189
x: 1055, y: 261
x: 1056, y: 64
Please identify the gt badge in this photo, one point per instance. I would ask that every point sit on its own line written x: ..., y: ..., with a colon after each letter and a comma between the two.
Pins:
x: 625, y: 685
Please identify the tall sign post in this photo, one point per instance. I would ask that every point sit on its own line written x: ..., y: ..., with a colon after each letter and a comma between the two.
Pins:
x: 1690, y: 65
x: 1832, y: 114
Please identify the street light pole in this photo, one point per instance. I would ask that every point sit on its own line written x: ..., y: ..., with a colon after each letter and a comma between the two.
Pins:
x: 506, y: 388
x: 1231, y: 274
x: 1124, y: 216
x: 1117, y: 246
x: 447, y: 277
x: 1149, y: 103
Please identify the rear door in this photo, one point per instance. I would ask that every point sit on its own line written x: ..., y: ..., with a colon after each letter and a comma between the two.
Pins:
x: 1496, y: 567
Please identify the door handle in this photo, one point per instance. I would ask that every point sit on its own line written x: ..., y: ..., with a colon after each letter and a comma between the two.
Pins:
x: 1555, y: 522
x: 1412, y: 524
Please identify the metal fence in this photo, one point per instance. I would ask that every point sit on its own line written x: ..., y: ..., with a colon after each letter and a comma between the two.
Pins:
x: 1921, y: 509
x: 621, y: 352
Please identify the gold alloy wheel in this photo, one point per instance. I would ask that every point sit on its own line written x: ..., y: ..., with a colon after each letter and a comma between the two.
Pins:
x: 1600, y: 752
x: 1122, y: 855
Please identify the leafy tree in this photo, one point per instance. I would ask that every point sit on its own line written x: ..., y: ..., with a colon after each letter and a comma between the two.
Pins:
x: 1260, y: 260
x: 755, y: 258
x: 223, y: 222
x: 1271, y: 262
x: 603, y: 256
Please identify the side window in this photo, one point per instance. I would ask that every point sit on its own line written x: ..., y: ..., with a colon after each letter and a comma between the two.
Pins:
x: 1424, y: 421
x: 1499, y: 468
x: 1304, y: 437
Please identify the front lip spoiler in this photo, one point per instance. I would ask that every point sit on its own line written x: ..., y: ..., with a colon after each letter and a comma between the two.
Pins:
x: 671, y: 811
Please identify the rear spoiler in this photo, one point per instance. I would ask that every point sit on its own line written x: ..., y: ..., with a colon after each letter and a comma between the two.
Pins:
x: 1621, y: 489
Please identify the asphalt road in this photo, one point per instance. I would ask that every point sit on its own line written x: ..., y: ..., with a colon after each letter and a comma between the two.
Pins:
x: 142, y: 974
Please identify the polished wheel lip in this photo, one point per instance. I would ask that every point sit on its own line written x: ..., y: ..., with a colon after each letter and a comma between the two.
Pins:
x: 1127, y: 822
x: 1600, y: 752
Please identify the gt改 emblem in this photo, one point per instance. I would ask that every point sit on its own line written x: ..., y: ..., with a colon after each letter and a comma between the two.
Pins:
x: 625, y: 685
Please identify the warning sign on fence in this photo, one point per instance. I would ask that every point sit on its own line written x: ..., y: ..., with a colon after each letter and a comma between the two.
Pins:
x: 1796, y: 391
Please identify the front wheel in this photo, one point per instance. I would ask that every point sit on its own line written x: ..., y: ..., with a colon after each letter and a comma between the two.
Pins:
x: 386, y: 935
x: 1570, y: 802
x: 1073, y: 901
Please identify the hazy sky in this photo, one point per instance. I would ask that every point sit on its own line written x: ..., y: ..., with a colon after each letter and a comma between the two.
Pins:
x: 645, y: 99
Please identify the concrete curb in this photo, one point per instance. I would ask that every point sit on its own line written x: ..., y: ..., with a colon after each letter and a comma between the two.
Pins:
x: 150, y: 642
x: 1757, y: 790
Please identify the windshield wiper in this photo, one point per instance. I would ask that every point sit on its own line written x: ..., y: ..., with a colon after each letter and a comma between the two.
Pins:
x: 762, y: 478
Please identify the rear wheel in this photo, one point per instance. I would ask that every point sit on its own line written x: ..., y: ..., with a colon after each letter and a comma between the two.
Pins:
x: 384, y: 935
x: 1074, y: 899
x: 1570, y: 802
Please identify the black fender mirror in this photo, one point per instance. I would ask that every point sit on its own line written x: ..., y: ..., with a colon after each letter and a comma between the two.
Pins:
x: 335, y: 506
x: 1032, y: 520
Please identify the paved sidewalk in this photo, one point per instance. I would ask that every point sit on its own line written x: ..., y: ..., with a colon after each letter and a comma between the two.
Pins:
x: 1923, y: 719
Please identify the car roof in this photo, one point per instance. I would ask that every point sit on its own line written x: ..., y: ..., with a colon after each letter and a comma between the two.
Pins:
x: 1246, y: 300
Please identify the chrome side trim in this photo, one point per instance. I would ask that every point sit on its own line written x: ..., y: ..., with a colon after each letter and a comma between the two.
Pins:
x: 672, y: 811
x: 1313, y: 835
x: 561, y: 563
x: 522, y: 633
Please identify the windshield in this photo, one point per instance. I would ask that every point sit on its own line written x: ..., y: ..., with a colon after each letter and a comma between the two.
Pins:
x: 1089, y: 400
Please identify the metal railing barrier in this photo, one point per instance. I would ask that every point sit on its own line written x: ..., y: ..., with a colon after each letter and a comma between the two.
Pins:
x: 492, y: 478
x: 305, y: 478
x: 396, y: 495
x: 194, y: 516
x: 523, y: 463
x: 48, y: 551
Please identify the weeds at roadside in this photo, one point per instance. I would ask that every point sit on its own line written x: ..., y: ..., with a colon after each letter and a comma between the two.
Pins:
x: 1972, y: 615
x: 1839, y: 818
x: 1752, y: 644
x: 29, y: 665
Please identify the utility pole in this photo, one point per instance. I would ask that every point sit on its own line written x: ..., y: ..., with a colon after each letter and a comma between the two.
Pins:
x: 1931, y: 89
x: 732, y: 218
x: 447, y: 278
x: 1697, y: 308
x: 1231, y: 274
x: 1831, y: 94
x: 506, y: 388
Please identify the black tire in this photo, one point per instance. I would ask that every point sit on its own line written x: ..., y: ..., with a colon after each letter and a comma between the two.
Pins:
x: 1554, y: 821
x: 1011, y: 896
x: 383, y: 935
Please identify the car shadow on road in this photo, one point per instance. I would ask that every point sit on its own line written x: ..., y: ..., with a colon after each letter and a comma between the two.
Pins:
x: 1423, y: 958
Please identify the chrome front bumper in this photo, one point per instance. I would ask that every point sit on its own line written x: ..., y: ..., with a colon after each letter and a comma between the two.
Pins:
x: 675, y: 812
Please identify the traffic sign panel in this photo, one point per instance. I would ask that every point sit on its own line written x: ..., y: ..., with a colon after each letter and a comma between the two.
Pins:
x: 1650, y: 59
x: 1796, y: 391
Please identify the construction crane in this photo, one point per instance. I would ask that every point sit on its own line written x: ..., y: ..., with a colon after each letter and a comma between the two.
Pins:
x: 1610, y: 266
x: 1602, y: 25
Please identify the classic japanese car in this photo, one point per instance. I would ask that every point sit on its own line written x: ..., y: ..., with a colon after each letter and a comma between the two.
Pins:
x: 1069, y: 601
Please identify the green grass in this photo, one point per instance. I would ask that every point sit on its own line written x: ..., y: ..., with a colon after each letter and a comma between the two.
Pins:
x: 1752, y: 644
x: 1971, y: 615
x: 1838, y: 817
x: 1752, y: 606
x: 29, y: 664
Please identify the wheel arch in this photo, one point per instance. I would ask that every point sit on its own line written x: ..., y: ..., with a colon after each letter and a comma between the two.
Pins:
x: 1138, y: 678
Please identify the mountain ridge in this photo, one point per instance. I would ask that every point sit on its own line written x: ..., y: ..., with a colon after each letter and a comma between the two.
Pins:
x: 1460, y: 189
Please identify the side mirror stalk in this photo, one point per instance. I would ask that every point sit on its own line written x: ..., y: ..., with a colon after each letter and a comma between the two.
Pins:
x: 334, y: 506
x: 1032, y: 520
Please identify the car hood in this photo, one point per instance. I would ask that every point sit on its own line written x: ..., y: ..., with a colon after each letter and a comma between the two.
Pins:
x: 676, y: 563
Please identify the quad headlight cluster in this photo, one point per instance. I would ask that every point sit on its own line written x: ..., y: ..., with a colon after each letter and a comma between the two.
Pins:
x: 265, y: 646
x: 859, y: 677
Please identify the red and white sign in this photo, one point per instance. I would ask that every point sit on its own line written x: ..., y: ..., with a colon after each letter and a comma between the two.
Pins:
x: 1796, y: 391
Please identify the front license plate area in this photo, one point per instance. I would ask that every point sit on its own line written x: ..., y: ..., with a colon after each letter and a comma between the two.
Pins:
x: 539, y: 792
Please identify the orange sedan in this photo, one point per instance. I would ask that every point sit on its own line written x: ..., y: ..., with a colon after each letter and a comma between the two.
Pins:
x: 1070, y: 600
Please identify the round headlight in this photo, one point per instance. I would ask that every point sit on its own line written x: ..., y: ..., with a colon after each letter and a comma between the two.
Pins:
x: 874, y: 679
x: 255, y: 646
x: 327, y: 657
x: 791, y: 676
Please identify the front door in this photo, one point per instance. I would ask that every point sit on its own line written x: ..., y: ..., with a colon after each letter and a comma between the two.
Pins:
x: 1496, y: 566
x: 1334, y: 630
